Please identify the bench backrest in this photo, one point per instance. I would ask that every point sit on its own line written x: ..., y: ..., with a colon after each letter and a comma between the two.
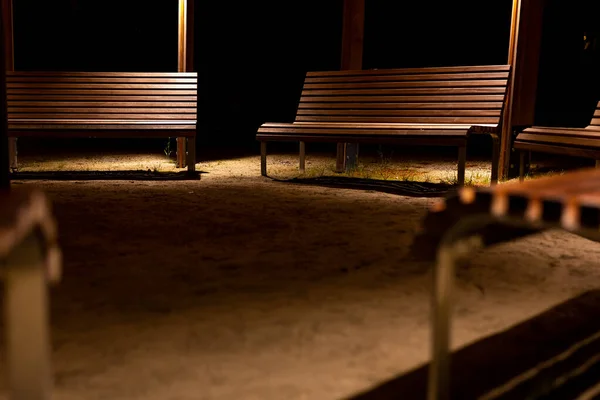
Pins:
x: 125, y: 96
x: 595, y: 123
x: 447, y: 95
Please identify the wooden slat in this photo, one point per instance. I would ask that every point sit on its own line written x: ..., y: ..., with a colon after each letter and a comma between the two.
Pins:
x: 107, y: 91
x: 562, y: 140
x: 78, y: 116
x: 104, y: 110
x: 436, y: 70
x: 408, y: 113
x: 93, y: 87
x: 456, y: 120
x: 402, y: 78
x: 404, y: 105
x: 104, y: 131
x: 424, y: 98
x: 33, y: 81
x: 16, y: 98
x: 68, y: 74
x: 24, y: 105
x: 422, y: 89
x: 385, y: 86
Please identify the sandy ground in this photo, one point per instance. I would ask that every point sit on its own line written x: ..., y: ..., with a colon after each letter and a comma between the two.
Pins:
x: 239, y: 287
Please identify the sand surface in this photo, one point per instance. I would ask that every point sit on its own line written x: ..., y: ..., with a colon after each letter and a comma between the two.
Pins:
x: 239, y: 287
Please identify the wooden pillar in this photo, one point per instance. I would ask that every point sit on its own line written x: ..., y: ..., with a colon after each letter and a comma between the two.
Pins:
x: 352, y: 53
x: 185, y: 59
x: 9, y: 65
x: 524, y: 56
x: 4, y: 147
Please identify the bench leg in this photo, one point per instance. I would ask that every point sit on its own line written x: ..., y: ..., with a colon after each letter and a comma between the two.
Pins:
x: 449, y: 254
x: 27, y: 322
x: 12, y: 153
x: 340, y: 162
x: 597, y: 163
x: 462, y: 161
x: 302, y: 157
x: 495, y: 159
x: 191, y: 154
x: 263, y: 158
x: 521, y: 166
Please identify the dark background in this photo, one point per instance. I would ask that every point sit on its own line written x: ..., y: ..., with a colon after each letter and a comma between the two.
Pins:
x: 251, y: 56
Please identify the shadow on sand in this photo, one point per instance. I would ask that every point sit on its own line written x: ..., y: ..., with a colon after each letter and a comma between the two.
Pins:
x: 402, y: 188
x: 106, y: 175
x: 553, y: 355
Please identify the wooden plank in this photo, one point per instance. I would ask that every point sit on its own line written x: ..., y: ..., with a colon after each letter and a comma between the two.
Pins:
x: 353, y: 28
x: 33, y: 80
x: 400, y: 140
x: 24, y: 105
x: 92, y: 88
x: 102, y: 92
x: 524, y: 56
x: 67, y: 74
x: 103, y: 117
x: 18, y: 98
x: 5, y: 19
x: 404, y: 105
x: 117, y: 131
x: 409, y: 113
x: 457, y: 78
x: 400, y: 84
x: 422, y: 98
x: 385, y: 119
x: 102, y: 110
x: 418, y: 70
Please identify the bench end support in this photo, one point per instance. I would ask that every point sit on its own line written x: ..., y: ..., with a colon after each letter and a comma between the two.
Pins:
x: 263, y: 158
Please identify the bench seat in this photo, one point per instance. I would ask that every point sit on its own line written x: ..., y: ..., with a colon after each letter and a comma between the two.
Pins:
x: 577, y: 142
x: 411, y: 106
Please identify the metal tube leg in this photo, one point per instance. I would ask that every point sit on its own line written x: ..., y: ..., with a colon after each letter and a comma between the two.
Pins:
x: 12, y: 153
x: 439, y: 369
x: 521, y: 166
x: 448, y: 255
x: 26, y: 323
x: 302, y: 157
x: 191, y: 154
x: 263, y: 158
x: 495, y: 159
x: 462, y: 161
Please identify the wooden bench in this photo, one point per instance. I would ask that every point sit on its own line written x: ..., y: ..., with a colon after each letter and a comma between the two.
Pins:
x: 578, y: 142
x: 570, y: 202
x: 104, y: 104
x: 414, y: 106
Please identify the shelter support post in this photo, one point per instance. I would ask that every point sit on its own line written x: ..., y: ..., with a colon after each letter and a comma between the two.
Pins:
x: 185, y: 63
x: 352, y: 53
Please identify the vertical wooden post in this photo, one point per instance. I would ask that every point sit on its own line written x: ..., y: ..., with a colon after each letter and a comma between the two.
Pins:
x: 524, y: 56
x: 353, y: 29
x: 9, y: 65
x: 185, y: 59
x: 4, y: 144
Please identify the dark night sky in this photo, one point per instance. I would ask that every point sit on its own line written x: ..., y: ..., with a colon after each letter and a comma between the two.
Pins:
x: 252, y: 55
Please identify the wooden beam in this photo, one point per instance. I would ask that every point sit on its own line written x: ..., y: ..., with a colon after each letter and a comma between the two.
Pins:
x: 353, y: 29
x: 9, y: 62
x: 524, y: 56
x: 4, y: 144
x: 185, y: 58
